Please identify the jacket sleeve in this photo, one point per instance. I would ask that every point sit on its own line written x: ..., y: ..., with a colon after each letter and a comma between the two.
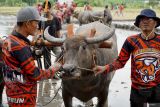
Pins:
x: 28, y: 67
x: 123, y: 56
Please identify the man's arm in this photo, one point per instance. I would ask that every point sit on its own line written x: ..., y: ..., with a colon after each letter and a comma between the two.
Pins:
x: 28, y: 67
x: 120, y: 62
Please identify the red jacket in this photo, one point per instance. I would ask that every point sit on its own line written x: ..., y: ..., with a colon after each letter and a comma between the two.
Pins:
x: 22, y: 76
x: 145, y: 60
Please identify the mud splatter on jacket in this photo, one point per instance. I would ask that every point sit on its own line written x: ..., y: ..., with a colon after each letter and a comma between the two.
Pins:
x: 22, y: 74
x: 145, y: 60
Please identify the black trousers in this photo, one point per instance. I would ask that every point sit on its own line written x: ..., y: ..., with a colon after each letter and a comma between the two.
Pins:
x: 47, y: 55
x: 140, y: 98
x: 1, y: 82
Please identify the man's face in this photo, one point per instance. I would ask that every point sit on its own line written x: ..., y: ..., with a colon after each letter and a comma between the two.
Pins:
x: 47, y: 11
x: 32, y: 27
x: 147, y: 24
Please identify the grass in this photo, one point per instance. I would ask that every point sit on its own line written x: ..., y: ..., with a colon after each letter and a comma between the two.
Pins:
x: 128, y: 13
x: 9, y: 10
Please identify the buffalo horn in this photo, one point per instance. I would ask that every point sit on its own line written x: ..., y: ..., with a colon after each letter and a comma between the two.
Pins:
x: 53, y: 39
x: 97, y: 39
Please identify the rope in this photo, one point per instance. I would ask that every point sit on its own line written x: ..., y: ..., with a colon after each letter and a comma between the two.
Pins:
x: 84, y: 69
x: 49, y: 52
x: 48, y: 62
x: 55, y: 74
x: 54, y: 96
x: 58, y: 76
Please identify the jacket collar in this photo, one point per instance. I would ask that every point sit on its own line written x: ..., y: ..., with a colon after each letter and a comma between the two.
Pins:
x: 20, y: 36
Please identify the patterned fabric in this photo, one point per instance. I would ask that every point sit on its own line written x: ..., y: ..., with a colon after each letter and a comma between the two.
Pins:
x: 1, y: 70
x: 145, y: 60
x: 22, y: 75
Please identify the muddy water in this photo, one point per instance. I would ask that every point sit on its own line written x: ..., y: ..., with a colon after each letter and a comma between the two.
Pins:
x: 119, y: 88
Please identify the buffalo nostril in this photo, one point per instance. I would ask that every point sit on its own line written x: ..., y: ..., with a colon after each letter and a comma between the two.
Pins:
x: 72, y: 69
x: 69, y: 68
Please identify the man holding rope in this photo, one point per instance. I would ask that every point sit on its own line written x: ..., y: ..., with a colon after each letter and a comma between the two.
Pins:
x: 54, y: 24
x: 2, y: 65
x: 22, y: 76
x: 144, y: 49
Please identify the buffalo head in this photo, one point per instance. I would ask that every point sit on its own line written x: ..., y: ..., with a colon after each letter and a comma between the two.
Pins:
x: 81, y: 49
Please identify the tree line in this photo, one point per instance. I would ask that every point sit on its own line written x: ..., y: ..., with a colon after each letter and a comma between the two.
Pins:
x: 21, y: 2
x: 98, y: 3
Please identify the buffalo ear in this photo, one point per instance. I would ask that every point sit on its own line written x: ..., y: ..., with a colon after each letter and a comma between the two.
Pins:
x: 93, y: 32
x: 106, y: 44
x: 70, y: 32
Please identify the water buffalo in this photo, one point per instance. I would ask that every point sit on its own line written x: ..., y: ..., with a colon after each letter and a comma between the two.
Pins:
x: 91, y: 16
x: 84, y: 50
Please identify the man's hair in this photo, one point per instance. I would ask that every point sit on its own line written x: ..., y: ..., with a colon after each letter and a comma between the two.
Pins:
x: 106, y: 6
x: 20, y: 24
x: 49, y: 5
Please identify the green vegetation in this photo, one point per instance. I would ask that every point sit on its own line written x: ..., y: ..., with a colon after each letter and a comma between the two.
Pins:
x: 9, y: 10
x: 95, y: 3
x: 11, y: 6
x: 21, y: 2
x: 127, y: 3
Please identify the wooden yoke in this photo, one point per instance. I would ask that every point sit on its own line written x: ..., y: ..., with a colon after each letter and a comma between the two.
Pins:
x: 46, y: 7
x: 93, y: 32
x: 105, y: 44
x: 70, y: 32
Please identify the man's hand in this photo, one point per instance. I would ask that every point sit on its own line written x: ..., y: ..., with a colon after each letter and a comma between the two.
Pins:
x: 55, y: 67
x: 40, y: 42
x: 100, y: 69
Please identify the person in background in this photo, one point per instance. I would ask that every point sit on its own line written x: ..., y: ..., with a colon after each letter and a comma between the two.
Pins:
x: 65, y: 5
x: 73, y: 5
x: 88, y: 7
x: 59, y: 14
x: 67, y: 14
x: 57, y: 6
x: 107, y: 16
x: 22, y: 74
x: 39, y: 8
x: 121, y: 8
x: 54, y: 24
x: 144, y: 49
x: 116, y: 8
x: 112, y: 6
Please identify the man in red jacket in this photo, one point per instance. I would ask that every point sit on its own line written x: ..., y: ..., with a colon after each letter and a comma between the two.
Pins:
x: 22, y: 75
x: 144, y: 49
x: 2, y: 65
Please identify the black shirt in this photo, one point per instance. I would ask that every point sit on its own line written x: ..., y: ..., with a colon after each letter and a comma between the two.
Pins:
x: 55, y: 26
